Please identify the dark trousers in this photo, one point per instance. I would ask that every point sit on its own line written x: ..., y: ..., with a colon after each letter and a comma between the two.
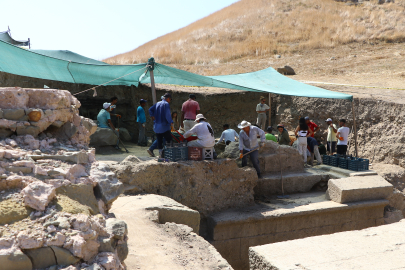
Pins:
x: 142, y: 136
x: 341, y: 149
x: 254, y: 158
x: 166, y: 135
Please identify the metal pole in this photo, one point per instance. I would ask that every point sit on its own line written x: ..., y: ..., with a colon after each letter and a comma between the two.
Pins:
x: 270, y: 109
x: 152, y: 85
x: 355, y: 130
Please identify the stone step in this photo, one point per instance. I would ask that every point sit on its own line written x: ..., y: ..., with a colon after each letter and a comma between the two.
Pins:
x: 336, y: 172
x: 299, y: 216
x: 275, y: 162
x: 293, y: 182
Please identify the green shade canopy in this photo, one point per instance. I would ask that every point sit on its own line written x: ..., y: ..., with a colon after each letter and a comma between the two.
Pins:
x: 5, y: 36
x: 23, y: 62
x: 69, y: 56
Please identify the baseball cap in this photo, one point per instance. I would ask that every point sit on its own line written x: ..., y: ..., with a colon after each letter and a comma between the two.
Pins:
x: 106, y: 105
x: 167, y: 95
x: 142, y: 101
x: 329, y: 120
x: 306, y: 117
x: 269, y: 129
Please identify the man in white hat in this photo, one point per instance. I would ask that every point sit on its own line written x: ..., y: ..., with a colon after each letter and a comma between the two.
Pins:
x: 104, y: 118
x: 331, y: 139
x: 204, y: 132
x: 248, y: 142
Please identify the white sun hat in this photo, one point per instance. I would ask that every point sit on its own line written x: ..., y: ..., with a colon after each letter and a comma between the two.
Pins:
x: 198, y: 117
x: 106, y: 105
x: 244, y: 124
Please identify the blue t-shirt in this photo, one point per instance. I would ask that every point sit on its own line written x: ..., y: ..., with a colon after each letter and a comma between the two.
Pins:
x: 311, y: 142
x: 140, y: 115
x: 102, y: 118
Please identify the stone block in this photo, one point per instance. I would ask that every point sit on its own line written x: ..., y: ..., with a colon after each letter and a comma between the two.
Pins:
x: 229, y: 249
x: 16, y: 169
x: 64, y: 256
x: 118, y: 228
x: 13, y: 97
x: 5, y: 133
x: 81, y: 193
x: 28, y: 130
x: 108, y: 189
x: 122, y: 250
x: 13, y: 114
x: 103, y: 136
x: 41, y: 257
x: 73, y: 157
x: 11, y: 211
x: 124, y: 135
x: 359, y: 188
x: 15, y: 261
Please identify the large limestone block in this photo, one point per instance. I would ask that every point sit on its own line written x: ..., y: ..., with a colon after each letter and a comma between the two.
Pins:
x: 49, y: 98
x: 12, y: 98
x: 65, y: 204
x: 89, y: 124
x: 358, y: 188
x: 13, y: 114
x: 103, y: 136
x: 15, y: 261
x: 83, y: 194
x: 28, y: 130
x: 37, y: 195
x: 11, y: 211
x: 64, y: 256
x: 41, y: 257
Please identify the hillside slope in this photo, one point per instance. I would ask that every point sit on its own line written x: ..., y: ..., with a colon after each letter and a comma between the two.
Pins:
x: 252, y: 29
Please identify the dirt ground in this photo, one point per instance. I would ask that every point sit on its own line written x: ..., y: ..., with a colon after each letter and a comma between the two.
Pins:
x: 109, y: 153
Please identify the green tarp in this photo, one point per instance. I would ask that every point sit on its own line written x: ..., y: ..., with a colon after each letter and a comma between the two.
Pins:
x: 23, y: 62
x: 5, y: 36
x: 69, y: 56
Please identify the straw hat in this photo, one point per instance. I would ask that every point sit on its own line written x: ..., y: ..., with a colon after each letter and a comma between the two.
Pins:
x: 198, y: 117
x: 244, y: 124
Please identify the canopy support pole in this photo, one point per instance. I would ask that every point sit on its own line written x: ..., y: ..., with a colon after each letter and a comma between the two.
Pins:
x: 151, y: 67
x: 270, y: 110
x: 355, y: 130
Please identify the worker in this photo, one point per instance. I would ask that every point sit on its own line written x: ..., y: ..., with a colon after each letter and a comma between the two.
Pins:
x: 141, y: 119
x: 269, y: 134
x: 261, y: 110
x: 283, y: 137
x: 331, y: 139
x: 314, y: 127
x: 302, y: 132
x: 189, y: 110
x: 314, y: 151
x: 343, y: 136
x: 104, y: 119
x: 228, y: 135
x: 160, y: 113
x: 204, y: 132
x: 248, y: 142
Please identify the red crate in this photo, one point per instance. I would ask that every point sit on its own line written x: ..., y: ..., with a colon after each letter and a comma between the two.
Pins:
x: 195, y: 153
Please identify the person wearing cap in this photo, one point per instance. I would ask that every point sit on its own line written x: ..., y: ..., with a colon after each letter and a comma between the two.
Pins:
x: 160, y: 113
x: 189, y: 110
x: 141, y: 119
x: 283, y: 137
x: 104, y: 118
x: 343, y: 136
x: 248, y: 142
x: 228, y: 135
x: 261, y: 110
x: 204, y: 132
x: 314, y: 150
x: 269, y: 134
x: 331, y: 138
x: 314, y: 127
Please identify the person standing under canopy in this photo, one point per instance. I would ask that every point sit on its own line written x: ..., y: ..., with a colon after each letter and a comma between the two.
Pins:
x: 302, y: 132
x: 204, y: 132
x: 314, y: 127
x: 343, y: 136
x: 160, y: 113
x: 248, y: 142
x: 261, y: 110
x: 141, y: 119
x: 189, y: 110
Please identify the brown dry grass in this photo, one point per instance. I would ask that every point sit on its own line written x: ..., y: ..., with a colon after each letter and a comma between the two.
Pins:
x: 259, y: 28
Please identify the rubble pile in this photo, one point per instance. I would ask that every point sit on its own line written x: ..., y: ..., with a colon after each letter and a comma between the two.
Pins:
x: 54, y: 195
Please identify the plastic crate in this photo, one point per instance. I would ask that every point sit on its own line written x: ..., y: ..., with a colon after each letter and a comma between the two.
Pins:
x: 334, y: 160
x: 195, y: 153
x: 358, y: 164
x: 326, y: 159
x: 343, y: 161
x: 176, y: 153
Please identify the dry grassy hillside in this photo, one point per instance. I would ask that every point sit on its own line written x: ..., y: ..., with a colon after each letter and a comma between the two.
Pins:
x: 260, y: 28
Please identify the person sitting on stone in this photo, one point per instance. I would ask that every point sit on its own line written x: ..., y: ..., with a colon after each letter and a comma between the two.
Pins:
x: 228, y: 135
x: 104, y: 119
x: 283, y: 137
x: 269, y: 134
x: 204, y: 132
x: 248, y: 142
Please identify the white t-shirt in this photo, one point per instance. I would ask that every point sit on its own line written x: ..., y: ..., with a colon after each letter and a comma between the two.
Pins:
x: 262, y: 107
x: 343, y: 132
x: 204, y: 133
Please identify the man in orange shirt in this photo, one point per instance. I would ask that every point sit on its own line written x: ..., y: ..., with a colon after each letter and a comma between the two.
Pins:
x: 314, y: 127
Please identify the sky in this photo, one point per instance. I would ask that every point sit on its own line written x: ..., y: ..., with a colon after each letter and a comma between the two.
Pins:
x: 99, y: 28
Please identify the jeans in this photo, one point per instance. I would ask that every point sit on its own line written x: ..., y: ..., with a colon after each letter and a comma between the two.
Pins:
x: 142, y: 137
x: 261, y: 120
x: 331, y: 147
x: 160, y: 136
x: 254, y: 158
x: 155, y: 143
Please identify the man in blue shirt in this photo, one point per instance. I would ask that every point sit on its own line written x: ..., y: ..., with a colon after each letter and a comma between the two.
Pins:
x: 160, y: 113
x: 141, y: 119
x: 104, y: 118
x: 228, y: 135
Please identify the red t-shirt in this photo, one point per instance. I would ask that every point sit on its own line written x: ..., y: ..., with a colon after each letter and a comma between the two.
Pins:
x: 312, y: 126
x: 190, y: 108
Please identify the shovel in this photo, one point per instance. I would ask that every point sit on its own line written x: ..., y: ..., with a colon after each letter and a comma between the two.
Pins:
x: 241, y: 156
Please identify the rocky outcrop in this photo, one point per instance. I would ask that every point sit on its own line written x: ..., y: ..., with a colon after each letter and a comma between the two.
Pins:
x: 206, y: 186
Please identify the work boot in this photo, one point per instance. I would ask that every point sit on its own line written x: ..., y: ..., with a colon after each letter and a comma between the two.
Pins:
x: 150, y: 153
